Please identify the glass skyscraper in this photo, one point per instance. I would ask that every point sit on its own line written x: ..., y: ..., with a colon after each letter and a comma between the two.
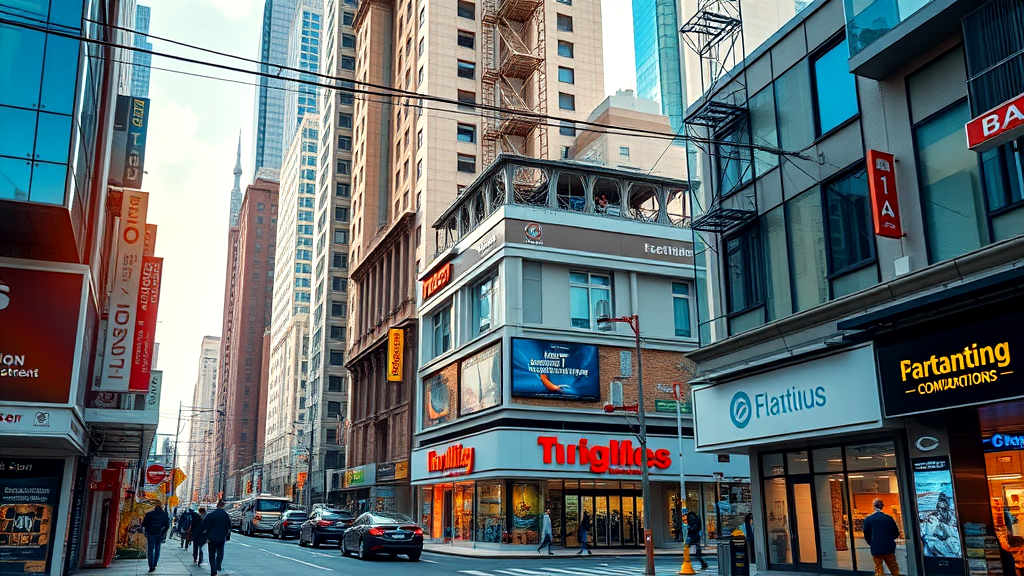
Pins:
x: 141, y: 60
x: 268, y: 141
x: 659, y: 69
x: 304, y: 54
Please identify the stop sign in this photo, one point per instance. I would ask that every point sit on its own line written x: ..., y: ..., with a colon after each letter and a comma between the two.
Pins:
x: 155, y: 474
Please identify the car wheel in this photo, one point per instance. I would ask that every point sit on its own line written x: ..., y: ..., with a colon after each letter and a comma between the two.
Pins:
x: 344, y: 549
x: 364, y: 554
x: 314, y: 541
x: 415, y: 556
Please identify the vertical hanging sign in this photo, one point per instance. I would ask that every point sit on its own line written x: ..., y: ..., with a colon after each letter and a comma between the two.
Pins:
x: 115, y: 373
x: 145, y: 323
x: 396, y: 353
x: 885, y: 209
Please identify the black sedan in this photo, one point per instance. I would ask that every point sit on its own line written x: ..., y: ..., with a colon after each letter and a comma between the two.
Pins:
x: 325, y: 525
x: 289, y: 525
x: 383, y: 533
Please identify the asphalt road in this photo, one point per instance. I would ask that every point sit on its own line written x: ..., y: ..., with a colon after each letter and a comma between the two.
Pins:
x: 262, y: 555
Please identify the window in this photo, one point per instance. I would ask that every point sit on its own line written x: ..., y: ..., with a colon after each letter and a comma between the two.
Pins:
x: 337, y: 332
x: 743, y: 266
x: 419, y: 169
x: 565, y: 152
x: 348, y: 41
x: 624, y: 153
x: 467, y: 163
x: 338, y: 309
x: 344, y: 142
x: 566, y: 75
x: 566, y: 101
x: 733, y: 158
x: 346, y: 18
x: 261, y: 206
x: 564, y: 23
x: 590, y: 297
x: 344, y: 120
x: 336, y: 383
x: 835, y: 88
x: 342, y: 189
x: 806, y: 238
x: 344, y: 167
x: 533, y: 295
x: 763, y: 132
x: 259, y: 220
x: 681, y: 308
x: 441, y: 324
x: 339, y: 283
x: 341, y: 236
x: 851, y: 236
x: 565, y: 49
x: 348, y: 63
x: 423, y: 16
x: 484, y: 302
x: 463, y: 96
x: 333, y: 408
x: 567, y: 129
x: 566, y: 2
x: 341, y: 213
x: 465, y: 133
x: 467, y: 70
x: 467, y: 10
x: 339, y: 260
x: 466, y: 39
x: 796, y: 125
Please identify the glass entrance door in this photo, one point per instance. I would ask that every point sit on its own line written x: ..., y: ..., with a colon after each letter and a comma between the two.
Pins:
x: 805, y: 540
x: 601, y: 521
x: 628, y: 522
x: 615, y: 520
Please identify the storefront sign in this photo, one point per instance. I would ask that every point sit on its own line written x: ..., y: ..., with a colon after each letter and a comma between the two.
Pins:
x: 436, y: 281
x: 1002, y: 124
x: 671, y: 406
x: 30, y: 496
x: 618, y: 457
x: 480, y: 386
x: 933, y: 485
x: 961, y: 366
x: 826, y: 395
x: 145, y: 323
x: 396, y: 354
x: 105, y: 406
x: 360, y: 476
x: 42, y: 320
x: 455, y: 461
x: 676, y: 247
x: 558, y: 370
x: 392, y: 471
x: 885, y: 207
x: 999, y: 442
x: 115, y: 372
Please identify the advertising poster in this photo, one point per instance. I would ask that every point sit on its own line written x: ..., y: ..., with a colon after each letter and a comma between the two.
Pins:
x: 481, y: 381
x: 560, y: 370
x: 145, y: 323
x: 29, y: 502
x: 933, y: 487
x: 440, y: 393
x: 131, y: 539
x: 526, y: 513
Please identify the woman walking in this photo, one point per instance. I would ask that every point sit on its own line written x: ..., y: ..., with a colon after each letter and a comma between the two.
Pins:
x: 584, y: 533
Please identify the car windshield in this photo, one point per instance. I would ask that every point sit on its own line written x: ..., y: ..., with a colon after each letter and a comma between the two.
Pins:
x: 271, y: 506
x: 294, y: 516
x: 337, y: 516
x: 391, y: 519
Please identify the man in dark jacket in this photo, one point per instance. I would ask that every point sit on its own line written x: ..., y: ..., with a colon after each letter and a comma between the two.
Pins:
x: 693, y: 537
x: 198, y: 540
x: 881, y: 532
x: 216, y: 529
x: 155, y: 524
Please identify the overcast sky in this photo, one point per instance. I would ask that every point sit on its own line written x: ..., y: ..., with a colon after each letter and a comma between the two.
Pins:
x: 193, y: 133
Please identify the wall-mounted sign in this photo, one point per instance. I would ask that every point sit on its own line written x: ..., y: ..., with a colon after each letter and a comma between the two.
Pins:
x: 455, y: 461
x: 480, y: 386
x: 559, y: 370
x: 885, y: 207
x: 961, y: 366
x: 145, y: 322
x: 391, y: 471
x: 1002, y: 124
x: 365, y: 475
x: 128, y: 143
x: 42, y: 320
x: 832, y: 394
x: 396, y: 353
x: 436, y: 281
x: 617, y: 457
x: 30, y: 498
x: 441, y: 396
x: 998, y: 442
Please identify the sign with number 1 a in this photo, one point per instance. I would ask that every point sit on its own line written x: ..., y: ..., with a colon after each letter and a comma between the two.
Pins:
x: 885, y: 208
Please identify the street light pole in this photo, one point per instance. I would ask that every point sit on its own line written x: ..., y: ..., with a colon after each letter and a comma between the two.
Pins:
x: 634, y: 323
x: 174, y: 461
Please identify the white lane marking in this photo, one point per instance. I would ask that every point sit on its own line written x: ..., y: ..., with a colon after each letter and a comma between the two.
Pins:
x: 289, y: 558
x: 474, y: 573
x: 431, y: 561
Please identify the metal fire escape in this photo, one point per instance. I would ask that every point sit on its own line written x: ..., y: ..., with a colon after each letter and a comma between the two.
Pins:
x: 514, y: 78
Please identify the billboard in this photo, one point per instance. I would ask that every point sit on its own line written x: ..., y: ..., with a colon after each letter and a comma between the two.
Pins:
x: 440, y: 395
x: 480, y: 387
x: 128, y: 144
x: 115, y: 372
x: 42, y: 315
x: 933, y: 487
x: 145, y: 323
x: 560, y: 370
x: 29, y: 503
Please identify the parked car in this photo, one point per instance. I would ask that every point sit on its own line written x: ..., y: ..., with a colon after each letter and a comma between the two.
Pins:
x: 260, y: 513
x: 383, y: 533
x: 325, y: 525
x: 289, y: 525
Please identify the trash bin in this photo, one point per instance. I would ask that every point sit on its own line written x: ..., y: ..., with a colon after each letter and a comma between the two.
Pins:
x: 739, y: 561
x: 724, y: 558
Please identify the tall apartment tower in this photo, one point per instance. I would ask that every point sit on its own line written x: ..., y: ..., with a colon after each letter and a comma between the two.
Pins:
x: 141, y: 60
x: 659, y: 62
x: 303, y: 54
x: 328, y: 378
x: 269, y: 124
x: 247, y: 308
x: 201, y: 444
x: 411, y: 162
x: 289, y: 329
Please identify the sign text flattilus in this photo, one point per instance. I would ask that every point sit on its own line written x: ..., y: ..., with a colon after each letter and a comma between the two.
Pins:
x: 885, y: 208
x: 455, y: 461
x: 396, y: 353
x: 115, y: 374
x: 1000, y: 125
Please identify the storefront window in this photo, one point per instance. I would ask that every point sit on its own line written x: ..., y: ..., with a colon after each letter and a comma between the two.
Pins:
x: 526, y: 512
x: 554, y: 503
x: 462, y: 509
x: 833, y: 521
x: 776, y: 505
x: 490, y: 518
x: 437, y: 520
x: 426, y: 500
x: 771, y: 465
x: 798, y: 463
x: 864, y: 488
x: 828, y: 460
x: 386, y: 501
x: 871, y: 456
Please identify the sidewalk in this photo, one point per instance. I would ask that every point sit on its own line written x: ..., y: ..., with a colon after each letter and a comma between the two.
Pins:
x: 173, y: 562
x: 500, y: 551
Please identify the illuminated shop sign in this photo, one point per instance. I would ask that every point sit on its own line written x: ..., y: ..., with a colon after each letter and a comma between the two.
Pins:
x: 439, y: 279
x: 396, y: 353
x: 1002, y: 124
x: 455, y: 461
x: 999, y: 442
x: 959, y: 366
x: 618, y: 457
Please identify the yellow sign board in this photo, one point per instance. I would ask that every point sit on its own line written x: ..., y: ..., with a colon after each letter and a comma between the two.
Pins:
x: 396, y: 354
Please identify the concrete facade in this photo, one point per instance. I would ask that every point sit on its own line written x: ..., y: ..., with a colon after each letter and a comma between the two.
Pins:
x: 201, y: 446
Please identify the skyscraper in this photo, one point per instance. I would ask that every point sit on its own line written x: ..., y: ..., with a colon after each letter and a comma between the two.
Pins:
x: 141, y: 60
x: 268, y: 131
x: 659, y: 70
x: 201, y: 445
x: 236, y: 192
x: 303, y: 54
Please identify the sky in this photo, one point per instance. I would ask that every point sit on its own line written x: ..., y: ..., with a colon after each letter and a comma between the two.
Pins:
x: 190, y: 154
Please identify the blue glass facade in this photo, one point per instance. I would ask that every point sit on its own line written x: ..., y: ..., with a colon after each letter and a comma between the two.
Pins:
x: 304, y: 54
x: 269, y: 142
x: 140, y: 60
x: 49, y: 94
x: 657, y: 55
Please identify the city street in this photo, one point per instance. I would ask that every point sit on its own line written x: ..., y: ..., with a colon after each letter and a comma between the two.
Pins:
x: 251, y: 556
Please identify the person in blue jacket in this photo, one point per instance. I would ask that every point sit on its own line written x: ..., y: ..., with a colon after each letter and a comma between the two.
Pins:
x: 881, y: 532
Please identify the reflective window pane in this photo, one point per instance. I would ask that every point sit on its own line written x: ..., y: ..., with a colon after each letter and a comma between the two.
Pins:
x: 807, y: 250
x: 833, y: 520
x: 851, y: 238
x: 579, y: 307
x: 762, y: 123
x: 771, y: 465
x: 66, y: 13
x: 14, y: 178
x: 60, y: 72
x: 776, y: 504
x: 18, y: 129
x: 48, y: 183
x: 828, y: 459
x: 53, y: 137
x: 21, y: 67
x: 796, y: 125
x: 871, y: 456
x: 835, y: 88
x: 798, y: 462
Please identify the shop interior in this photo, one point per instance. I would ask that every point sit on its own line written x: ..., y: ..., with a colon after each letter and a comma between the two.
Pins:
x: 1004, y: 465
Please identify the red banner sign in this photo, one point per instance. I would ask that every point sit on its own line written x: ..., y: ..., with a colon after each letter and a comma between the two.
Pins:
x: 998, y: 126
x: 456, y: 460
x: 145, y: 323
x: 439, y: 279
x: 619, y: 457
x: 885, y: 208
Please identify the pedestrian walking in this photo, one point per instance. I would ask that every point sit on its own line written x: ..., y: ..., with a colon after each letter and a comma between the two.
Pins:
x: 198, y: 537
x: 184, y: 526
x: 216, y: 529
x: 584, y: 533
x: 748, y: 533
x: 881, y: 532
x: 693, y: 533
x: 155, y: 524
x: 545, y: 532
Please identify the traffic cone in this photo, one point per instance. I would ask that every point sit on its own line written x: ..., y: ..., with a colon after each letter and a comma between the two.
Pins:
x: 687, y: 568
